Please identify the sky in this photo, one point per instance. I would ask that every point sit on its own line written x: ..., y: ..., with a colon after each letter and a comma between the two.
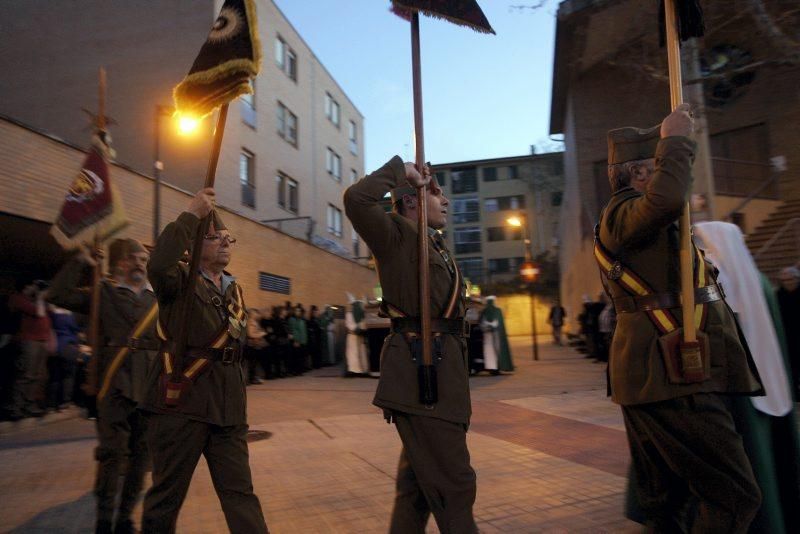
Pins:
x: 484, y: 96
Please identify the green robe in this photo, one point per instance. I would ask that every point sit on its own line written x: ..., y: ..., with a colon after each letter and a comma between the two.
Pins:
x: 493, y: 313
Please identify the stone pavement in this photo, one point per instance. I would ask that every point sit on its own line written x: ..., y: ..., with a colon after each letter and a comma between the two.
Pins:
x: 548, y: 447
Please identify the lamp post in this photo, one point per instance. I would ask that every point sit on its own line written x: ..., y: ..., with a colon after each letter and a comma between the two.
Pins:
x: 186, y: 126
x: 529, y: 272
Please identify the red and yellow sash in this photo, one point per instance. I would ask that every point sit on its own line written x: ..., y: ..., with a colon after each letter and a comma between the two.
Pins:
x: 663, y: 319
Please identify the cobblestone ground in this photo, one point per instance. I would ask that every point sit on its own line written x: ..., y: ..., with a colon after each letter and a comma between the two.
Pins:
x: 548, y: 447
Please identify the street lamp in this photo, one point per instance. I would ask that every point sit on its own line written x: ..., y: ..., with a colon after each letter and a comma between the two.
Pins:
x: 529, y: 272
x: 186, y: 126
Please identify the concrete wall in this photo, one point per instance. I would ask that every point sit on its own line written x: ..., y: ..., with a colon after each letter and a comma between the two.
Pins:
x: 35, y: 171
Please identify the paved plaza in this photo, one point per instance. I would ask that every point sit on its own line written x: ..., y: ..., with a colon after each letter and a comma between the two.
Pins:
x: 549, y: 449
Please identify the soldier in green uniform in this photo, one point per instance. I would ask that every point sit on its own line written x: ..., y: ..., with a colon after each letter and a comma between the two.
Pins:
x: 434, y: 473
x: 125, y: 356
x: 689, y: 462
x: 210, y: 417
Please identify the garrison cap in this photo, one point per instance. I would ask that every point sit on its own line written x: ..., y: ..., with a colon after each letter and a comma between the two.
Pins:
x: 216, y: 222
x: 630, y: 144
x: 121, y: 248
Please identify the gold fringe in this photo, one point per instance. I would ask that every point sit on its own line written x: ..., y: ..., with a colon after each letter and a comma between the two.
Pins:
x: 250, y: 67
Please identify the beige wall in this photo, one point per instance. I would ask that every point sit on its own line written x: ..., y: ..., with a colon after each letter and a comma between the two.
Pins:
x: 518, y: 317
x: 36, y: 170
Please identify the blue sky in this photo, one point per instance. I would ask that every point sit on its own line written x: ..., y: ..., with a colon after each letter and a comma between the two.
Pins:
x: 484, y: 96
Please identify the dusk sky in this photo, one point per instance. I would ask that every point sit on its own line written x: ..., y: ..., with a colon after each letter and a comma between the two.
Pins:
x: 485, y: 96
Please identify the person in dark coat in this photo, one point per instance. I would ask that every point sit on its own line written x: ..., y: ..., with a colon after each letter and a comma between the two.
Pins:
x: 691, y: 467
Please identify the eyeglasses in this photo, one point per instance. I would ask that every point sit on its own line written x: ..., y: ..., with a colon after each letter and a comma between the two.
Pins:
x: 222, y: 239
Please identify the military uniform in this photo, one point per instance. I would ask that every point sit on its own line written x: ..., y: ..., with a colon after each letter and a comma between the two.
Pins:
x: 211, y: 415
x: 683, y: 441
x: 120, y: 426
x: 434, y: 473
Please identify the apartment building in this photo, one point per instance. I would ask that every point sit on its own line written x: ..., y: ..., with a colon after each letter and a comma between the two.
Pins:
x: 486, y: 197
x: 289, y: 150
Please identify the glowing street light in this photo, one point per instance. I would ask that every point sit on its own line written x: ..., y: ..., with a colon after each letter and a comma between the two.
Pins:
x: 514, y: 221
x: 188, y: 125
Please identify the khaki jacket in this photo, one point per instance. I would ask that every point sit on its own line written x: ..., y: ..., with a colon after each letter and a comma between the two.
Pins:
x: 393, y: 241
x: 217, y: 395
x: 120, y: 312
x: 641, y: 231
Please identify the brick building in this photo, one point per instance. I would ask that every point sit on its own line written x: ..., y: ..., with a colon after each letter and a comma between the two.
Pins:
x: 484, y: 194
x: 271, y: 266
x: 609, y: 71
x: 289, y: 151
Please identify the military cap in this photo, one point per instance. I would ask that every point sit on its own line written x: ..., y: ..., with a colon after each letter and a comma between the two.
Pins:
x: 216, y: 222
x: 630, y: 144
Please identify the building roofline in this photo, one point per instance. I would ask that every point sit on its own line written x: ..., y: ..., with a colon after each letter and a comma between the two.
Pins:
x: 58, y: 140
x: 507, y: 159
x: 316, y: 58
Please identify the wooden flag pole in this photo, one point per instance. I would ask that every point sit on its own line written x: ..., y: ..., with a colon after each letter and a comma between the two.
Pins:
x: 427, y: 372
x: 182, y: 333
x: 676, y: 99
x: 97, y: 273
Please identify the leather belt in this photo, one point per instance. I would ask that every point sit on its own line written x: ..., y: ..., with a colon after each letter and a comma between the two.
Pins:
x: 411, y: 325
x: 226, y: 355
x: 135, y: 344
x: 660, y: 301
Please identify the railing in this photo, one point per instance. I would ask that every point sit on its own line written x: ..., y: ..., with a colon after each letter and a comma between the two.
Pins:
x: 732, y: 182
x: 791, y: 224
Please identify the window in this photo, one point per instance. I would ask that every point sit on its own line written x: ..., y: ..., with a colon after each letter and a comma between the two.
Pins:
x: 285, y: 58
x: 490, y: 174
x: 332, y: 109
x: 247, y: 178
x: 513, y: 172
x: 465, y: 180
x: 440, y: 178
x: 291, y: 64
x: 287, y: 192
x: 472, y: 269
x: 356, y: 244
x: 280, y: 53
x: 287, y: 124
x: 333, y: 163
x: 353, y: 176
x: 274, y: 283
x: 513, y: 202
x: 504, y: 265
x: 504, y: 233
x: 556, y: 198
x: 466, y: 209
x: 247, y: 108
x: 334, y: 220
x: 467, y: 239
x: 353, y: 132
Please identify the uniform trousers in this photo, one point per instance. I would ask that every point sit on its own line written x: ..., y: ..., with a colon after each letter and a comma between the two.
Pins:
x: 121, y: 432
x: 434, y: 475
x: 691, y: 469
x: 177, y: 443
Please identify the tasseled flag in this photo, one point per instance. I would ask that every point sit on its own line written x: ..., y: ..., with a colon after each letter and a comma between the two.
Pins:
x: 462, y: 12
x: 92, y: 206
x: 689, y: 15
x: 230, y: 57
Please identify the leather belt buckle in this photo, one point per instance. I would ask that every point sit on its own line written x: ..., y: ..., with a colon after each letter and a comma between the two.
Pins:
x: 227, y: 355
x: 133, y: 343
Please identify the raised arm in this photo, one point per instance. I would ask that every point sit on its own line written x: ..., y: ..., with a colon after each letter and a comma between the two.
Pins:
x: 164, y: 269
x: 64, y: 291
x: 362, y: 204
x: 634, y: 221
